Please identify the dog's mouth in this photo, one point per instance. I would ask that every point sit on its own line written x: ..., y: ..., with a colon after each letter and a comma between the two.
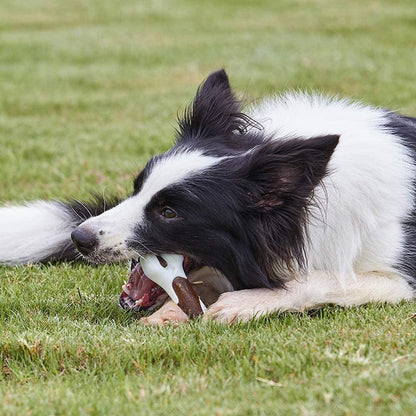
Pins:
x: 141, y: 293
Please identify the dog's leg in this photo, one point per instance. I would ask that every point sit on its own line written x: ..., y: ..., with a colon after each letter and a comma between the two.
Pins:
x: 314, y: 292
x: 169, y: 313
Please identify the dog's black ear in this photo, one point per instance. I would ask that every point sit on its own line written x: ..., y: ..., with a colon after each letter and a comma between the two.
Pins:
x: 215, y: 111
x: 276, y: 181
x: 288, y: 170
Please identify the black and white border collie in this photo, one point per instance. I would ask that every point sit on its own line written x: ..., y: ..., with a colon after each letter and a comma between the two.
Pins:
x: 299, y: 202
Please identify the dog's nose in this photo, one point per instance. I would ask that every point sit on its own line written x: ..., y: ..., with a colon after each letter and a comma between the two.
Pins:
x: 85, y: 241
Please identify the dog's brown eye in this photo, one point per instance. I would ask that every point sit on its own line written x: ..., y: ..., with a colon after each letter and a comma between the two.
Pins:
x: 168, y: 212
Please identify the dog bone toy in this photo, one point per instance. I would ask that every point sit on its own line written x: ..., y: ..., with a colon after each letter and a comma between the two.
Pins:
x: 172, y: 278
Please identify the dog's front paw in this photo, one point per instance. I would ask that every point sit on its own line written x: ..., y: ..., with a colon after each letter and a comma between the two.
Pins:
x: 239, y: 306
x: 169, y: 313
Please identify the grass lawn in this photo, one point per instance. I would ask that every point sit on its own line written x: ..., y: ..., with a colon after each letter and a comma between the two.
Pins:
x: 88, y: 91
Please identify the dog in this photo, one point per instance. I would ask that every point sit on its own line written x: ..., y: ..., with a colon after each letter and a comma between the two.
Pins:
x: 298, y: 202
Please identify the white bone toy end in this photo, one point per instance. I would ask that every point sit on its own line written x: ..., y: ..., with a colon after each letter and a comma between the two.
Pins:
x: 164, y: 276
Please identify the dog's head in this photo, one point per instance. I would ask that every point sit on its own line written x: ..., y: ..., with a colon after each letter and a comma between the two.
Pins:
x: 226, y: 195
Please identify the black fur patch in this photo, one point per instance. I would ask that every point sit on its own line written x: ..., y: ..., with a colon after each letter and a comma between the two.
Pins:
x: 405, y: 127
x: 215, y: 111
x: 215, y: 123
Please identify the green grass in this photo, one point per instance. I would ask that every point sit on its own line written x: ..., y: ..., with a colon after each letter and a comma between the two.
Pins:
x: 89, y: 90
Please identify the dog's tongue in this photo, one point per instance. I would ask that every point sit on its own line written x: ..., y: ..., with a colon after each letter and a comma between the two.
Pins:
x: 139, y: 292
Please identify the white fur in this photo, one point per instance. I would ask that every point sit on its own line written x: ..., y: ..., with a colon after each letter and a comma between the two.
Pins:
x: 31, y: 232
x: 115, y: 226
x: 356, y: 226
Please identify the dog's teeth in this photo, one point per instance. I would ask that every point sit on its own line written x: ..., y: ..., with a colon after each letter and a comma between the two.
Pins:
x: 133, y: 263
x: 138, y: 302
x: 124, y: 287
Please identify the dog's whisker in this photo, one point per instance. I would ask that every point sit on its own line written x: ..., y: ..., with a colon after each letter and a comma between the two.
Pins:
x: 86, y: 208
x: 142, y: 245
x: 82, y: 218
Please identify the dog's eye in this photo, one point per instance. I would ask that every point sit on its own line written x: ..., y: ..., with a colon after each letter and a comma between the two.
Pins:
x: 167, y: 212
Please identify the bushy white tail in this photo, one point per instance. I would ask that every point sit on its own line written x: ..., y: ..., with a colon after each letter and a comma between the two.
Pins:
x: 36, y: 232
